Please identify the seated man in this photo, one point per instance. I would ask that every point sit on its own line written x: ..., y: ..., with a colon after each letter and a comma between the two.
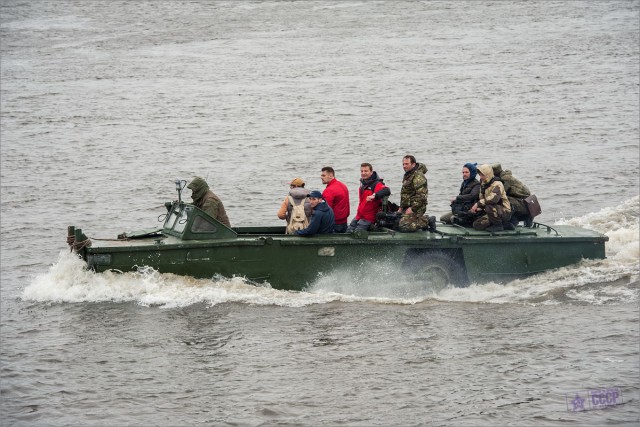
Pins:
x: 413, y: 195
x: 516, y: 192
x: 370, y: 194
x: 322, y: 217
x: 469, y: 194
x: 493, y: 203
x: 295, y: 208
x: 337, y: 197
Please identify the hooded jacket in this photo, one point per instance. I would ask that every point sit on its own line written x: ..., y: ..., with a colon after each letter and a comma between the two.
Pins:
x: 469, y: 192
x: 415, y: 190
x: 512, y: 185
x: 297, y: 193
x: 207, y: 201
x: 322, y: 220
x: 491, y: 190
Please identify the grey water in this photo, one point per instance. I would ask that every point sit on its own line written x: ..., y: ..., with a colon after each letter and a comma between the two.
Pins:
x: 103, y: 104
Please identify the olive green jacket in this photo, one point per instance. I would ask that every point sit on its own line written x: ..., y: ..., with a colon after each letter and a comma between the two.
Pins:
x: 207, y: 201
x: 512, y: 185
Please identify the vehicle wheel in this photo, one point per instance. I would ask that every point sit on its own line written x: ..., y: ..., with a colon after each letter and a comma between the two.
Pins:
x: 436, y: 270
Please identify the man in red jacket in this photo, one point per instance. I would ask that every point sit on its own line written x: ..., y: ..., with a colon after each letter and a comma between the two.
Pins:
x: 337, y: 197
x: 370, y: 194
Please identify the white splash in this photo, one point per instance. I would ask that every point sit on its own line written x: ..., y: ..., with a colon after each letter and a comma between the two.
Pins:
x: 69, y: 280
x: 620, y: 224
x: 614, y: 279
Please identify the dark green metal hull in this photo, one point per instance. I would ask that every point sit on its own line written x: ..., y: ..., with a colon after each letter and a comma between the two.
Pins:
x: 451, y: 254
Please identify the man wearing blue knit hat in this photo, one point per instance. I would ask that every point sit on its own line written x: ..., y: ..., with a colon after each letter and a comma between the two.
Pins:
x: 469, y: 194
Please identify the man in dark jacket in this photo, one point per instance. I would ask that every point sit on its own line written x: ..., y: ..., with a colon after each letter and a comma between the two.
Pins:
x: 204, y: 199
x: 322, y: 218
x: 469, y: 195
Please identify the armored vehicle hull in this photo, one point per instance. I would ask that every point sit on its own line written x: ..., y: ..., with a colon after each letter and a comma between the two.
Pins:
x: 192, y: 243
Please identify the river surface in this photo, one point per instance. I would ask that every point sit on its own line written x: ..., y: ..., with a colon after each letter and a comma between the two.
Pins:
x: 105, y: 103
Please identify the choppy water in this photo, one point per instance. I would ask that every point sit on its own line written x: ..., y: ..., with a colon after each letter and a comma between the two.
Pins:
x: 104, y: 104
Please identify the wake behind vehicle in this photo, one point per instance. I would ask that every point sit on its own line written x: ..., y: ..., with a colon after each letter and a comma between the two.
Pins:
x: 192, y: 243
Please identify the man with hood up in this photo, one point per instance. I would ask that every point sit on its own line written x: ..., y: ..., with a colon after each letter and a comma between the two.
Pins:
x: 468, y: 196
x: 516, y: 192
x: 413, y: 195
x: 207, y: 201
x: 493, y: 201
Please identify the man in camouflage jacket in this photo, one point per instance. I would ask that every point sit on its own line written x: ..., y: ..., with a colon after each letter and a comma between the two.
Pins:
x: 493, y: 203
x: 516, y: 192
x: 413, y: 196
x: 207, y: 201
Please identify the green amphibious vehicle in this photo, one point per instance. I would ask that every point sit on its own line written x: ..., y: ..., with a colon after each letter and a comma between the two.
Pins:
x: 192, y: 243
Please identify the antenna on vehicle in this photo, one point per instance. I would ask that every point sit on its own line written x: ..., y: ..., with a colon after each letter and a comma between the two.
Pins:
x: 180, y: 184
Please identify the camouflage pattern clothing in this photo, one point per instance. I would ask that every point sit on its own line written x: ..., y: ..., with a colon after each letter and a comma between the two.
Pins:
x: 414, y: 195
x: 515, y: 189
x: 494, y: 201
x: 207, y: 201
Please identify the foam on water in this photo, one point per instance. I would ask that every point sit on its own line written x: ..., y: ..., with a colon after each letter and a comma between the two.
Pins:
x: 612, y: 280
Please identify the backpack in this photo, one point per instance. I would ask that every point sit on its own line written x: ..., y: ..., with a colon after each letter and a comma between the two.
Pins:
x: 297, y: 217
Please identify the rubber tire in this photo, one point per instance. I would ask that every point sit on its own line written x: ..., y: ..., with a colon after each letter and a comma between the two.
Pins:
x: 436, y: 270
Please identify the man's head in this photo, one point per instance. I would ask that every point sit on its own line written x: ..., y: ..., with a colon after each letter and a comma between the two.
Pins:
x: 408, y: 162
x: 327, y: 174
x: 315, y: 197
x: 366, y: 170
x: 198, y: 187
x: 296, y: 182
x: 486, y: 172
x: 469, y: 170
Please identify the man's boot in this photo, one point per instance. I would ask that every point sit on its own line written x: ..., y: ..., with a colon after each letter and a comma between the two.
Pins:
x: 432, y: 224
x: 528, y: 222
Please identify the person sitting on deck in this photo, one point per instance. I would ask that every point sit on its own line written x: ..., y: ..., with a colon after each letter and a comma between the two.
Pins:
x: 413, y: 196
x: 493, y: 201
x: 468, y: 196
x: 336, y: 194
x: 295, y: 207
x: 370, y: 195
x: 517, y: 192
x: 322, y: 218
